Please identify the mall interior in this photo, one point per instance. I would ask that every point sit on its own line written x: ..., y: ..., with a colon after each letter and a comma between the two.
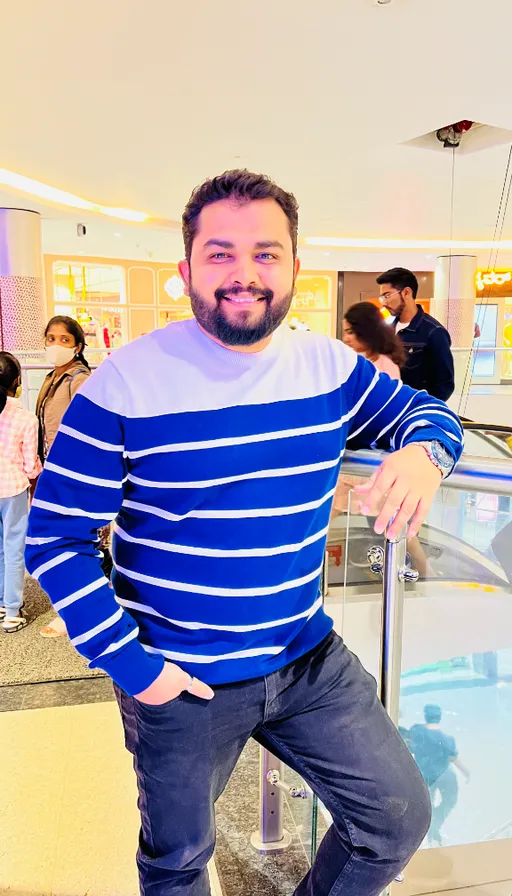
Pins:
x: 391, y: 122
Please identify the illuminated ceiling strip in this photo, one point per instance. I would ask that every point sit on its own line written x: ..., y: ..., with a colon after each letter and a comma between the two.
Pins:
x: 52, y: 194
x: 357, y: 243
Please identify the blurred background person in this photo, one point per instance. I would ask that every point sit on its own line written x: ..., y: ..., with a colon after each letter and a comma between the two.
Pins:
x: 19, y: 463
x: 64, y: 344
x: 428, y: 356
x: 365, y: 330
x: 436, y: 755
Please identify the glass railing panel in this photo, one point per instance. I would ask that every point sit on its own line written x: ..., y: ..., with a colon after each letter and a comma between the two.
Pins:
x: 457, y: 659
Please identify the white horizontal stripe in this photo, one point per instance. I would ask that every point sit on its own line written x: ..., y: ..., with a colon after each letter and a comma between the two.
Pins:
x: 50, y: 564
x: 250, y: 513
x: 89, y: 440
x: 238, y: 440
x: 30, y: 540
x: 242, y: 477
x: 116, y: 645
x: 204, y: 659
x: 419, y: 424
x: 198, y: 626
x: 367, y: 422
x: 221, y: 552
x: 364, y: 396
x: 81, y: 477
x: 72, y: 511
x: 107, y: 623
x: 395, y: 420
x: 217, y: 592
x: 433, y: 410
x: 82, y: 592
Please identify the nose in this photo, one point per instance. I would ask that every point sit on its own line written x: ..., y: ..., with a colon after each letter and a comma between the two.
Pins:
x: 245, y: 272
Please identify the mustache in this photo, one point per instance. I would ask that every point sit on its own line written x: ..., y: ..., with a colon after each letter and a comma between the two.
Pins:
x: 234, y: 291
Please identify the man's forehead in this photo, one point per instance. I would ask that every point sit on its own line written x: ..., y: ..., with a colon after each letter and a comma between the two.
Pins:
x: 263, y: 217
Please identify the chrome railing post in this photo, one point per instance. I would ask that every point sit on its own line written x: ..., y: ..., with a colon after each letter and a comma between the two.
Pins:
x: 393, y: 594
x: 271, y: 837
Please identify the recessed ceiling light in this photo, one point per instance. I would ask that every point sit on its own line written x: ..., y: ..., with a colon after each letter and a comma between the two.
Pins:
x: 117, y: 234
x: 61, y: 197
x: 363, y: 243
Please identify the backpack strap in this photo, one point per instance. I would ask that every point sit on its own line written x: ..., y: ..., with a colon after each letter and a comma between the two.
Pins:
x: 72, y: 377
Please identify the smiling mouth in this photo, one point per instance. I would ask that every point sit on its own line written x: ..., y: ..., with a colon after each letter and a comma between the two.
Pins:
x: 243, y: 300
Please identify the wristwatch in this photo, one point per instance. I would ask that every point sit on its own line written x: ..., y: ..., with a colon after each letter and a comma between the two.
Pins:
x: 439, y: 456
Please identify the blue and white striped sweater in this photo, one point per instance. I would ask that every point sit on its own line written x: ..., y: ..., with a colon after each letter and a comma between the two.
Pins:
x: 218, y: 468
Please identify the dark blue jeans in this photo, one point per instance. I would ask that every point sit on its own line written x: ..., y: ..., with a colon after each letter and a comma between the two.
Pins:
x: 321, y: 715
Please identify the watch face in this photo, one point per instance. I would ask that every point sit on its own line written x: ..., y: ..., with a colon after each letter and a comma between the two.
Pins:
x: 442, y: 456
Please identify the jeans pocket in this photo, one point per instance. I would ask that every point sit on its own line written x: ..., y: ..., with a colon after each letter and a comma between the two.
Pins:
x: 158, y: 707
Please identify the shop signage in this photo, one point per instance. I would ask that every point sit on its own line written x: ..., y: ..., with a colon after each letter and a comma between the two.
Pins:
x: 492, y: 278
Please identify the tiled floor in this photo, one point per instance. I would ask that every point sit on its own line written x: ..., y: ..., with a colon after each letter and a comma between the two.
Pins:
x: 69, y: 822
x: 56, y: 693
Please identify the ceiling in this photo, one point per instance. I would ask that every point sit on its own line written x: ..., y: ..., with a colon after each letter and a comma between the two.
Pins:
x: 130, y: 105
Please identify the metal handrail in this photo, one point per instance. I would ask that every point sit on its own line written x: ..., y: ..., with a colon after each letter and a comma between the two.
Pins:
x: 491, y: 475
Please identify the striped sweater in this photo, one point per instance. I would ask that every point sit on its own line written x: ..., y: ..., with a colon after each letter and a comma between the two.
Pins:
x: 219, y: 469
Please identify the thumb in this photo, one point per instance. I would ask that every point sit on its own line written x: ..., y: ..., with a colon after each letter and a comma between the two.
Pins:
x: 199, y: 689
x: 367, y: 486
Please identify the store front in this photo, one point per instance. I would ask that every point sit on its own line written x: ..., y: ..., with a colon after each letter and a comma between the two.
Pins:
x: 116, y: 300
x: 493, y: 315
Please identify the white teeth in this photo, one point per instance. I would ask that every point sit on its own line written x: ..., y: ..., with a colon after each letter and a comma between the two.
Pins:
x: 243, y: 301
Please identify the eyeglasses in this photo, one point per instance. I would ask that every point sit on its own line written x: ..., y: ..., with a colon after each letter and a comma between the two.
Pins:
x: 387, y: 295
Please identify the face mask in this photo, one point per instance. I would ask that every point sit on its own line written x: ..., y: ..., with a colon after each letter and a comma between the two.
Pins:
x: 17, y: 394
x: 59, y: 355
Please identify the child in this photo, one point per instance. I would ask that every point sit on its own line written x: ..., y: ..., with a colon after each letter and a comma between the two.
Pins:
x: 19, y: 463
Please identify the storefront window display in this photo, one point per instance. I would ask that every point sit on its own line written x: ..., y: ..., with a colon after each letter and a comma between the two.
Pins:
x: 118, y: 300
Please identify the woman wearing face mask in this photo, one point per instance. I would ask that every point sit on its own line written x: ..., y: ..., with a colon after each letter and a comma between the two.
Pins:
x: 64, y: 344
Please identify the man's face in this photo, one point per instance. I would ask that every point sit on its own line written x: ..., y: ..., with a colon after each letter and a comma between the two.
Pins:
x: 241, y: 275
x: 393, y: 299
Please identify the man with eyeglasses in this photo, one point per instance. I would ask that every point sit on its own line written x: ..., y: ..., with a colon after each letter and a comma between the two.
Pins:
x: 429, y: 360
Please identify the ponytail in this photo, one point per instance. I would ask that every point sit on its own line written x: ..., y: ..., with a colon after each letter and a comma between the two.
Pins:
x: 81, y: 358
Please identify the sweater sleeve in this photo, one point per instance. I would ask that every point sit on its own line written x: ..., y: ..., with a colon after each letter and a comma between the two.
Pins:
x: 387, y: 414
x: 31, y: 462
x: 79, y: 491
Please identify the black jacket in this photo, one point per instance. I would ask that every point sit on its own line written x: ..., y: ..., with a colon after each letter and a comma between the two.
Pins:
x: 429, y: 360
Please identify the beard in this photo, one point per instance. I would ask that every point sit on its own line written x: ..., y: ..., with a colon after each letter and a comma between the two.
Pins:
x: 245, y: 331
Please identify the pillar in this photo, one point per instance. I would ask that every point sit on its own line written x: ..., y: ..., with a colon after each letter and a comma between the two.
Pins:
x: 22, y: 308
x: 454, y: 306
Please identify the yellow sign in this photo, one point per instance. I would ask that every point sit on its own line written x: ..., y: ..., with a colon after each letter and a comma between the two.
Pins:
x: 492, y: 278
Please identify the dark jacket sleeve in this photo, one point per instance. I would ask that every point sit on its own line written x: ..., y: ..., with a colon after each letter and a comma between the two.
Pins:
x: 441, y: 379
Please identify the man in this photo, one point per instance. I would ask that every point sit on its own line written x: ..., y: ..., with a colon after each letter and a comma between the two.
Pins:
x: 436, y: 754
x: 215, y: 444
x: 429, y: 361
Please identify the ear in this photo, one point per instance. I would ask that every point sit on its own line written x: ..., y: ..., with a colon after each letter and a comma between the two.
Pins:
x: 296, y: 269
x: 184, y: 269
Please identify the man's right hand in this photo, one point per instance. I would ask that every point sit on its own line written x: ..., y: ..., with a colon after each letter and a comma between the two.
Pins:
x: 171, y: 682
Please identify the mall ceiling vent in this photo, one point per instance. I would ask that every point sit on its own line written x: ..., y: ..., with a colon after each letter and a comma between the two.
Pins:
x: 465, y: 140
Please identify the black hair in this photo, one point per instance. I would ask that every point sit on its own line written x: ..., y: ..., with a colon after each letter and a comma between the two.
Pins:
x: 241, y: 186
x: 371, y: 330
x: 400, y: 278
x: 74, y: 329
x: 432, y: 713
x: 10, y: 371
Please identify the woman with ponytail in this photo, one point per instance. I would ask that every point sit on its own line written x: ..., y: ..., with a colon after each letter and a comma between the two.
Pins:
x: 19, y: 464
x: 64, y: 344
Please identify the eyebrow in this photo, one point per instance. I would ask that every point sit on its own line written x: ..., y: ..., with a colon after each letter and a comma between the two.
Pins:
x: 226, y: 244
